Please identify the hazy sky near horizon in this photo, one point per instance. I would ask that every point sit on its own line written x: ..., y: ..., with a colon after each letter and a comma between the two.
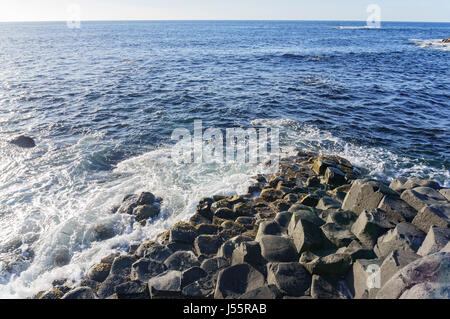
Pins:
x: 391, y: 10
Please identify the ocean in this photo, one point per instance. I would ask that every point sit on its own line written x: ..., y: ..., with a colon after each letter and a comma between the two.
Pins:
x: 102, y: 102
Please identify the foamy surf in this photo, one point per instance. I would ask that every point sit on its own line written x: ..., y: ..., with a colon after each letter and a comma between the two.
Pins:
x: 435, y: 44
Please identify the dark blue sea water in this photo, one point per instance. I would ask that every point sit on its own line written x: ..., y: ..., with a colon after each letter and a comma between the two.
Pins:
x: 103, y: 100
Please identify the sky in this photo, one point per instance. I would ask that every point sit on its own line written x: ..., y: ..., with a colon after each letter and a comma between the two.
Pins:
x: 61, y: 10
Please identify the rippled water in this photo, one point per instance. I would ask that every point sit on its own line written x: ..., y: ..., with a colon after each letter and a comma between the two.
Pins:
x: 102, y: 102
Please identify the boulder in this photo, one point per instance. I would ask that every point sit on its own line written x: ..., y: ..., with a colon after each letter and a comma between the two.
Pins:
x: 327, y: 202
x: 370, y: 225
x: 247, y: 252
x: 267, y: 292
x: 334, y: 177
x: 144, y: 212
x: 421, y: 197
x: 207, y: 244
x: 435, y: 240
x: 23, y: 141
x: 271, y: 194
x: 129, y: 203
x: 303, y: 214
x: 398, y: 184
x: 121, y: 265
x: 80, y: 293
x: 427, y: 290
x: 277, y: 249
x: 334, y: 265
x: 338, y: 235
x: 310, y: 200
x: 192, y: 275
x: 308, y: 237
x: 395, y: 261
x: 213, y: 265
x: 183, y: 233
x: 446, y: 193
x: 145, y: 268
x: 434, y: 268
x: 165, y: 285
x: 181, y: 260
x: 365, y: 195
x: 237, y: 280
x: 200, y: 289
x: 327, y: 288
x: 397, y: 209
x: 228, y: 247
x: 356, y: 251
x: 404, y: 236
x: 343, y: 218
x: 291, y: 279
x: 132, y: 290
x: 268, y: 228
x: 364, y: 280
x: 154, y: 251
x: 324, y: 161
x: 433, y: 215
x: 283, y: 219
x: 99, y: 272
x: 107, y: 287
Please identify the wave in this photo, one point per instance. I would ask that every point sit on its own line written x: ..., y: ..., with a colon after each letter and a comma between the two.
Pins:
x: 365, y: 27
x: 435, y: 44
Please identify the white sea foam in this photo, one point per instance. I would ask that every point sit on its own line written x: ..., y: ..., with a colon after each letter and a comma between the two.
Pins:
x: 435, y: 44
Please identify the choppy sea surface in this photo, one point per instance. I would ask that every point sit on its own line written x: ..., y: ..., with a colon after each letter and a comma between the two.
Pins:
x: 103, y: 100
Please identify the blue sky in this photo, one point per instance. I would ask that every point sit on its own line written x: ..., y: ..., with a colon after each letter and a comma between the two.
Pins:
x: 391, y: 10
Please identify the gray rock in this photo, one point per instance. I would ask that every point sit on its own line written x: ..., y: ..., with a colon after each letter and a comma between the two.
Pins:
x: 145, y: 268
x: 398, y: 184
x: 227, y: 248
x: 247, y: 252
x: 415, y: 182
x: 446, y: 193
x: 427, y: 290
x: 177, y: 246
x: 144, y: 212
x: 365, y: 195
x: 80, y: 293
x: 202, y: 288
x: 181, y: 260
x: 192, y: 275
x: 334, y: 177
x: 207, y: 244
x: 268, y: 292
x: 404, y: 236
x: 107, y: 287
x: 326, y: 288
x: 128, y: 205
x: 328, y: 203
x: 446, y: 249
x: 183, y: 233
x: 364, y: 280
x: 343, y: 218
x: 308, y: 236
x: 99, y: 272
x: 283, y: 219
x: 356, y: 251
x: 23, y: 142
x: 434, y: 268
x: 268, y: 228
x: 291, y: 279
x: 335, y: 265
x: 421, y: 197
x: 370, y: 225
x: 213, y: 265
x: 433, y: 215
x: 277, y: 249
x: 397, y: 209
x: 395, y: 261
x: 132, y: 290
x: 435, y: 240
x: 121, y: 265
x: 154, y: 251
x: 165, y: 285
x: 338, y: 235
x: 146, y: 198
x: 207, y: 229
x: 236, y: 280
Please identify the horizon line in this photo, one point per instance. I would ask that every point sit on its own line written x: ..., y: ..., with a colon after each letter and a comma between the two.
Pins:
x: 199, y: 20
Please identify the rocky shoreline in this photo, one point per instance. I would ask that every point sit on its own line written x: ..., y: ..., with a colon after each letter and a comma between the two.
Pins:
x: 316, y: 229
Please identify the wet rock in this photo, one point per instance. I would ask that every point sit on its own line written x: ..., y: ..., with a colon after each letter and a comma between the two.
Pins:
x: 433, y: 215
x: 23, y: 141
x: 397, y: 209
x: 421, y: 197
x: 213, y: 265
x: 192, y: 275
x: 107, y: 287
x: 277, y: 249
x: 435, y: 240
x: 338, y: 235
x: 236, y: 280
x: 200, y: 289
x: 207, y: 244
x: 370, y: 225
x: 181, y: 260
x: 104, y: 231
x: 225, y: 213
x: 415, y: 182
x: 364, y: 280
x: 310, y: 200
x: 204, y: 208
x: 122, y: 265
x: 312, y: 181
x: 334, y: 177
x: 271, y: 194
x: 50, y: 295
x: 246, y: 220
x: 177, y: 246
x: 228, y: 247
x: 129, y: 203
x: 146, y: 198
x: 395, y: 261
x: 365, y: 195
x: 446, y: 40
x: 207, y: 229
x: 326, y: 288
x: 62, y: 257
x: 434, y: 268
x: 87, y: 283
x: 404, y: 236
x: 166, y: 285
x: 397, y: 184
x: 144, y: 212
x: 247, y: 252
x: 145, y: 268
x: 154, y: 251
x: 268, y: 228
x: 197, y: 219
x: 268, y: 292
x: 291, y: 279
x: 183, y: 233
x: 80, y: 293
x: 323, y: 162
x: 132, y: 290
x: 99, y: 272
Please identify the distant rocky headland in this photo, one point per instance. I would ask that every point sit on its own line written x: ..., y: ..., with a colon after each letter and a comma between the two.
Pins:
x: 316, y: 229
x: 446, y: 40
